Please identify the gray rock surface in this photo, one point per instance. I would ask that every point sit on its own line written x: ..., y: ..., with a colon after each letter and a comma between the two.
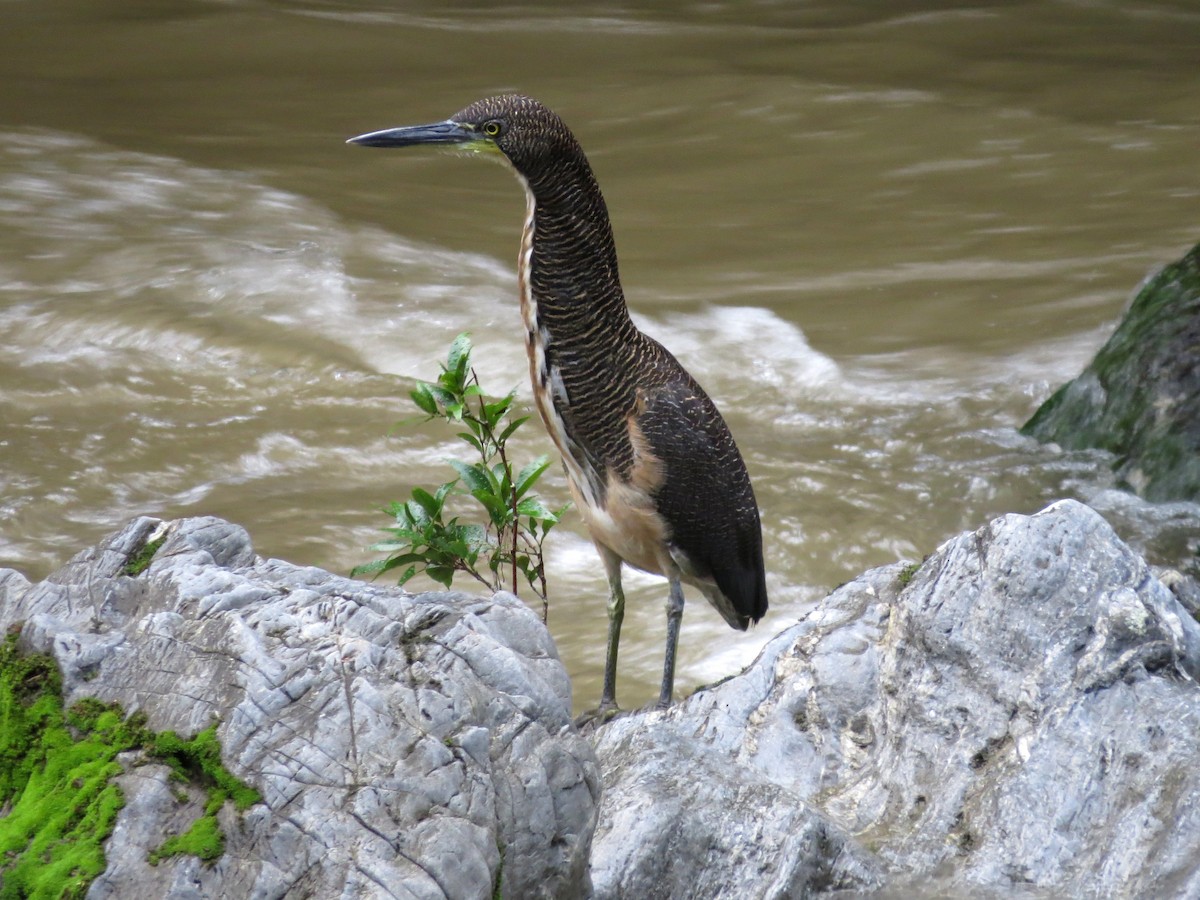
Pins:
x: 1021, y: 719
x: 405, y: 746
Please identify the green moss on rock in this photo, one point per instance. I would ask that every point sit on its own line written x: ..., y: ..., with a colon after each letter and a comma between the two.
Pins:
x: 204, y: 839
x: 906, y: 574
x: 139, y: 560
x: 58, y: 800
x: 56, y: 788
x: 198, y: 761
x: 1140, y: 397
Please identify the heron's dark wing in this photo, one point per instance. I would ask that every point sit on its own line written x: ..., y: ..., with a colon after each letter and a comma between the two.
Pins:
x: 705, y: 496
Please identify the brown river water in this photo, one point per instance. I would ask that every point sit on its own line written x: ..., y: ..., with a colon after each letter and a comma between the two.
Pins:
x: 879, y: 233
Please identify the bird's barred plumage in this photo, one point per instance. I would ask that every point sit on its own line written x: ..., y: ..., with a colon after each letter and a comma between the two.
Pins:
x: 652, y: 465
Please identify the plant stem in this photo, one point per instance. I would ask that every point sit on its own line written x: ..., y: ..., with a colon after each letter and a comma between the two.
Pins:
x: 515, y: 520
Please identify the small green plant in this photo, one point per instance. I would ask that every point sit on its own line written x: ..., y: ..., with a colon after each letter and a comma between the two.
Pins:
x: 906, y: 574
x: 427, y: 539
x: 139, y: 561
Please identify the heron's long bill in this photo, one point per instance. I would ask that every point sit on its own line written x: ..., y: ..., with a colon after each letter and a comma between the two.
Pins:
x: 406, y: 136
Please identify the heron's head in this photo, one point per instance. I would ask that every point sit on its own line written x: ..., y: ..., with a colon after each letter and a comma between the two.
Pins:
x: 520, y: 129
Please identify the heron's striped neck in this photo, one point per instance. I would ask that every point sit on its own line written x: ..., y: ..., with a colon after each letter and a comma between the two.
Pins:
x: 578, y: 333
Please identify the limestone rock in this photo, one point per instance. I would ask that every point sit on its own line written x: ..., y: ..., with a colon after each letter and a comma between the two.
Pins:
x: 1022, y: 717
x: 405, y: 746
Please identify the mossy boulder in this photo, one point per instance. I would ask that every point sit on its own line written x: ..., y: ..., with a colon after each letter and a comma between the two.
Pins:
x: 59, y: 796
x: 1140, y: 397
x: 378, y: 743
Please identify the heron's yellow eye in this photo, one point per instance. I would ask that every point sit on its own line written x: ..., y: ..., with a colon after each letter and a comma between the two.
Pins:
x: 491, y: 129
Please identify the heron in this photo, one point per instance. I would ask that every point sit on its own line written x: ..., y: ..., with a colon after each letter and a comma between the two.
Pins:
x: 650, y: 463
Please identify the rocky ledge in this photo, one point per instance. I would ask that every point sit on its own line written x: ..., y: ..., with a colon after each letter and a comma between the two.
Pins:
x: 403, y: 745
x: 1018, y: 715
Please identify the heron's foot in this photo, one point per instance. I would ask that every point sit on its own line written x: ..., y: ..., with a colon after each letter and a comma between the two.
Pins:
x: 594, y: 718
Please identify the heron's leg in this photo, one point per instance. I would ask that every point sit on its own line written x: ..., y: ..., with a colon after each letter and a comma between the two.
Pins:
x: 616, y: 613
x: 674, y: 616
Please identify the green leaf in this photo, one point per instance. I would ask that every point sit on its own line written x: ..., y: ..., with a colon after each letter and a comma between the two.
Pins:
x: 429, y: 503
x: 443, y: 396
x: 459, y: 549
x: 495, y: 411
x: 405, y: 534
x: 386, y: 564
x: 443, y: 575
x: 390, y: 546
x: 498, y: 510
x: 503, y: 477
x: 422, y: 395
x: 459, y: 358
x: 528, y: 569
x: 469, y: 438
x: 544, y: 525
x: 404, y: 559
x: 416, y: 512
x: 496, y: 477
x: 404, y: 521
x: 533, y: 507
x: 371, y: 568
x: 530, y: 473
x: 511, y: 427
x: 476, y: 537
x: 474, y: 476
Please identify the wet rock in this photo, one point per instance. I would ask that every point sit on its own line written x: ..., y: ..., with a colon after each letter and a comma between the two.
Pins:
x: 1140, y: 397
x: 404, y: 746
x: 1019, y: 718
